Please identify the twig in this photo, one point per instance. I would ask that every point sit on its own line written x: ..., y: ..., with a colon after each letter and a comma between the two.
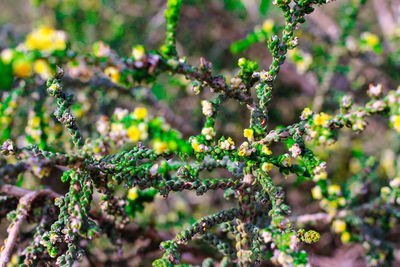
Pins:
x: 13, y: 231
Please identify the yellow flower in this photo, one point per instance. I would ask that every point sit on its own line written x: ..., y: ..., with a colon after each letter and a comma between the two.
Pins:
x: 268, y: 25
x: 316, y: 192
x: 306, y: 113
x: 35, y: 122
x: 265, y: 150
x: 345, y: 237
x: 339, y: 226
x: 138, y: 52
x: 248, y: 133
x: 160, y: 147
x: 266, y: 166
x: 133, y: 194
x: 46, y: 39
x: 334, y: 189
x: 140, y: 113
x: 370, y: 38
x: 113, y: 74
x: 321, y: 119
x: 321, y: 176
x: 396, y: 122
x: 133, y: 133
x: 243, y: 149
x: 97, y: 149
x: 22, y: 68
x: 196, y: 146
x: 41, y: 67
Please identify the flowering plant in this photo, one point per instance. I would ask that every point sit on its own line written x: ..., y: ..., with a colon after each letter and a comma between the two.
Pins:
x: 89, y: 169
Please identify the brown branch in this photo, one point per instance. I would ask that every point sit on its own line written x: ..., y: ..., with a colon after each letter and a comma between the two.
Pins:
x: 130, y: 232
x: 24, y: 206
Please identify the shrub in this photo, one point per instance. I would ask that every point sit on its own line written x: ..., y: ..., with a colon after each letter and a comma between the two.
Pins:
x: 85, y: 172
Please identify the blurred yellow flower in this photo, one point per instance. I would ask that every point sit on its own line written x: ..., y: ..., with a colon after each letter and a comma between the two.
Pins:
x: 268, y: 25
x: 160, y: 147
x: 113, y: 74
x: 316, y: 192
x: 22, y: 68
x: 339, y: 226
x: 370, y: 38
x: 140, y: 113
x: 41, y: 67
x: 396, y: 122
x: 133, y: 194
x: 46, y: 39
x: 133, y: 133
x: 321, y: 119
x: 266, y: 167
x: 248, y: 133
x: 138, y: 52
x: 345, y: 237
x: 265, y: 150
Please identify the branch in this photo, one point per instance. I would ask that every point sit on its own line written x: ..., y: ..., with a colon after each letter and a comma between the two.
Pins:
x: 24, y: 206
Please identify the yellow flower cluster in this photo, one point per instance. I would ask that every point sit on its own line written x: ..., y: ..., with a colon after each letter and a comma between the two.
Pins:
x: 334, y: 190
x: 22, y: 68
x: 268, y: 25
x: 266, y: 167
x: 396, y: 122
x: 140, y: 113
x: 370, y: 38
x: 46, y: 39
x: 160, y: 146
x: 113, y: 73
x: 133, y: 194
x: 338, y: 226
x: 265, y: 150
x: 133, y: 133
x: 307, y: 112
x: 42, y: 67
x: 320, y: 176
x: 321, y: 119
x: 249, y: 134
x: 138, y: 52
x: 244, y: 149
